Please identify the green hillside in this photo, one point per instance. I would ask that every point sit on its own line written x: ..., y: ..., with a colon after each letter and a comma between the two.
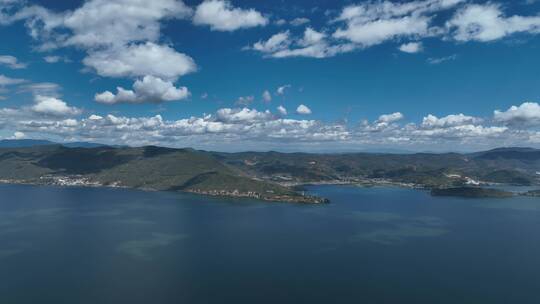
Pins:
x: 268, y: 176
x: 151, y: 168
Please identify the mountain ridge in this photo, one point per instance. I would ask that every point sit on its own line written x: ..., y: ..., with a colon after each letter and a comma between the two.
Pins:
x: 261, y: 175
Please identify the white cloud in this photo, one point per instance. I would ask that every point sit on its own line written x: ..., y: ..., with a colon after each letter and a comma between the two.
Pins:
x: 456, y: 133
x: 360, y: 26
x: 280, y: 22
x: 486, y: 22
x: 281, y: 90
x: 139, y: 60
x: 376, y: 32
x: 299, y: 21
x: 266, y: 96
x: 303, y: 110
x: 440, y: 60
x: 95, y: 117
x: 11, y: 62
x: 262, y: 129
x: 432, y: 121
x: 41, y: 88
x: 527, y: 113
x: 53, y: 106
x: 52, y: 59
x: 372, y: 23
x: 149, y: 89
x: 282, y: 111
x: 18, y: 135
x: 383, y: 123
x: 7, y: 81
x: 226, y: 125
x: 390, y: 118
x: 8, y: 3
x: 245, y: 100
x: 242, y: 115
x: 220, y: 15
x: 312, y: 37
x: 120, y: 37
x: 313, y: 44
x: 275, y: 43
x: 101, y: 23
x: 56, y: 59
x: 411, y: 47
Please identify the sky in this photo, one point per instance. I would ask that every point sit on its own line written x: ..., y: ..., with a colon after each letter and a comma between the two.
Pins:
x: 296, y: 75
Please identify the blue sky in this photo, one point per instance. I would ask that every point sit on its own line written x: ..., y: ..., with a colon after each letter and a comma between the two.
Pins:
x: 350, y: 75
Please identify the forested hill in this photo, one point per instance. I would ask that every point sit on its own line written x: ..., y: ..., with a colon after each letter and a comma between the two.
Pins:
x: 519, y: 166
x: 263, y: 175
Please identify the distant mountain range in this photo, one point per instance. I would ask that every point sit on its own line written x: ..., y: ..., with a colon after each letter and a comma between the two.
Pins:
x: 261, y: 175
x: 25, y: 143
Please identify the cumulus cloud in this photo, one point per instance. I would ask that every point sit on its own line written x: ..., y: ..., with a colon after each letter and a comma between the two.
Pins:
x: 260, y: 128
x: 411, y: 47
x: 11, y: 62
x: 100, y: 23
x: 432, y: 121
x: 47, y: 105
x: 242, y: 115
x: 18, y: 135
x: 220, y: 15
x: 149, y: 89
x: 384, y: 122
x: 390, y: 118
x: 282, y: 111
x: 487, y: 22
x: 120, y: 37
x: 139, y: 60
x: 303, y: 110
x: 527, y: 113
x: 457, y: 133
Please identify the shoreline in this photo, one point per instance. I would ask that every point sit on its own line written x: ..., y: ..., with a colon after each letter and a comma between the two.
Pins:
x: 300, y: 198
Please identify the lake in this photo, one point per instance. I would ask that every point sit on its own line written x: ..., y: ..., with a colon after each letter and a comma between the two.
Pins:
x: 370, y: 245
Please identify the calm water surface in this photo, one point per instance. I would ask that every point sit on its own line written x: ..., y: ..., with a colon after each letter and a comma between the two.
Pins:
x: 371, y: 245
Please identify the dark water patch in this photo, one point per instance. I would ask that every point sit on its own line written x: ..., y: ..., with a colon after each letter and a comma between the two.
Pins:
x: 143, y: 248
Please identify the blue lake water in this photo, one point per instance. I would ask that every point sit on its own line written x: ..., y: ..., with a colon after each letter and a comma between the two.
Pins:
x: 370, y: 245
